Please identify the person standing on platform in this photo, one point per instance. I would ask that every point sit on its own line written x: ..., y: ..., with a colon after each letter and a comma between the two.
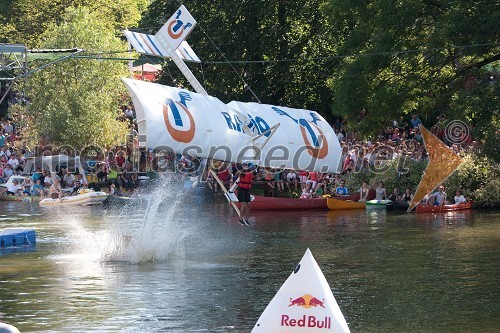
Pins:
x: 244, y: 186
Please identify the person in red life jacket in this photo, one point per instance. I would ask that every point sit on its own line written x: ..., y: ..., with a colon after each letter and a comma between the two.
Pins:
x: 244, y: 186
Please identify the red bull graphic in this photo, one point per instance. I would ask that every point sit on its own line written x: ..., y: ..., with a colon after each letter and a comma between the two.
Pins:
x: 176, y: 27
x: 307, y: 321
x: 307, y: 301
x: 318, y: 148
x: 171, y: 109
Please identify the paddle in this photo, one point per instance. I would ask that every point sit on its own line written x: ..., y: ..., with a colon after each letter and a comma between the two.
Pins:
x: 227, y: 194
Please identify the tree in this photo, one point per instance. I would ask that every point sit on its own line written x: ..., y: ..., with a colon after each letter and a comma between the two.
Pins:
x: 76, y: 102
x: 273, y: 46
x: 23, y: 21
x: 414, y: 57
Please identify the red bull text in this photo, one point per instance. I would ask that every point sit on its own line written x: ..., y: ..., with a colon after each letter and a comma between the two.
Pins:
x: 306, y: 321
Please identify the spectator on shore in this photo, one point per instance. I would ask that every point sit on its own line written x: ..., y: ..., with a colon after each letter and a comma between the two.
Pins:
x: 14, y: 163
x: 13, y: 188
x: 47, y: 181
x: 113, y: 175
x: 2, y: 175
x: 79, y: 178
x: 7, y: 171
x: 303, y: 178
x: 55, y: 191
x: 68, y: 179
x: 129, y: 177
x: 291, y: 178
x: 38, y: 189
x: 415, y: 121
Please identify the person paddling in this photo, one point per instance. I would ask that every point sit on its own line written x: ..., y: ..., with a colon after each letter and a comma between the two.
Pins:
x: 244, y: 186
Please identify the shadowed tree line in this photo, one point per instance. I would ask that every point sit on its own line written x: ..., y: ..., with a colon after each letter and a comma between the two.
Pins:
x: 367, y: 61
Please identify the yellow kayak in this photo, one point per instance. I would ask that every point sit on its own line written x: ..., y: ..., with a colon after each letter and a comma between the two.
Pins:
x: 344, y: 204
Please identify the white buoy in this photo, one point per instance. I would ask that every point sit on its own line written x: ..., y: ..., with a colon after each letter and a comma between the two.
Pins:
x: 6, y: 328
x: 305, y: 303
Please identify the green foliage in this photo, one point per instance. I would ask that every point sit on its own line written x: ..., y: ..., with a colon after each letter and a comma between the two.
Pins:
x: 75, y: 102
x: 263, y: 35
x: 412, y: 56
x: 479, y: 105
x: 24, y: 21
x: 479, y: 179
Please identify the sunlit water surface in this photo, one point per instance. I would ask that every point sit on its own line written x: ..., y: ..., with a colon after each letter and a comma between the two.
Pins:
x: 173, y: 261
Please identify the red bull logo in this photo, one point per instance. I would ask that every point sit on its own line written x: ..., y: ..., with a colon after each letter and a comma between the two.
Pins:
x: 307, y: 301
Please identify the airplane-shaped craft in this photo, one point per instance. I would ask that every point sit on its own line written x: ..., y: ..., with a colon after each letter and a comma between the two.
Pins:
x: 168, y: 40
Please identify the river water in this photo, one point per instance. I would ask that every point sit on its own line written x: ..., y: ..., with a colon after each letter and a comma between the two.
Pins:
x: 179, y: 262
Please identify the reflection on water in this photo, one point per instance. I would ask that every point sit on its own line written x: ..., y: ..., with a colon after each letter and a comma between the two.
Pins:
x: 177, y: 262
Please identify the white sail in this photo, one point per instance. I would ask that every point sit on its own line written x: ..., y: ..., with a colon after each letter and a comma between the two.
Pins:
x: 194, y: 124
x: 304, y: 303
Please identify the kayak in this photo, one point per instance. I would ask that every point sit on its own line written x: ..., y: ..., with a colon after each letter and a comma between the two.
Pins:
x: 273, y: 203
x: 344, y: 204
x: 377, y: 203
x: 444, y: 208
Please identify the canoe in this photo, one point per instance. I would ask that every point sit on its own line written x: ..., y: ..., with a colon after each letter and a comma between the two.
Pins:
x: 444, y: 208
x: 344, y: 204
x: 273, y: 203
x: 84, y: 198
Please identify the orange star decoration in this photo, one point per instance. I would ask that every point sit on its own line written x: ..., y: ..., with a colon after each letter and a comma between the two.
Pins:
x: 442, y: 163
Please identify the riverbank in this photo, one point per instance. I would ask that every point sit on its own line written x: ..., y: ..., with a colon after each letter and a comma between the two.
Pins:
x: 478, y: 178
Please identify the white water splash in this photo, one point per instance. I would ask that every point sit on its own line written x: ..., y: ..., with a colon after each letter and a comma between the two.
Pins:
x: 150, y: 227
x: 154, y: 235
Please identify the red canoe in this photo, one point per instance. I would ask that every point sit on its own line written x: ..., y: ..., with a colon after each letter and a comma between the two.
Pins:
x: 444, y: 208
x: 273, y: 203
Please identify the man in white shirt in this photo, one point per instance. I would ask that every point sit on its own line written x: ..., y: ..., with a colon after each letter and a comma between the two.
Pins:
x: 48, y: 181
x: 13, y: 162
x: 13, y: 187
x: 68, y: 179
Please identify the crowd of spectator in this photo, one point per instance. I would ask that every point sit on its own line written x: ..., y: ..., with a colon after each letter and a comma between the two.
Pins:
x: 400, y: 139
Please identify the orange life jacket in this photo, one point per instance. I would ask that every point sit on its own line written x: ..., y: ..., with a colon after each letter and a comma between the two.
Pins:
x: 245, y: 180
